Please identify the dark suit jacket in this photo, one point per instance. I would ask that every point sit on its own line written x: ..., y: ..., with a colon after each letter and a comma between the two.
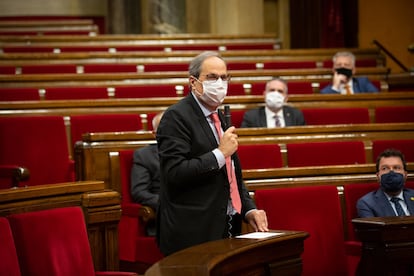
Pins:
x: 359, y: 85
x: 376, y: 204
x: 145, y: 176
x: 257, y: 117
x: 194, y: 191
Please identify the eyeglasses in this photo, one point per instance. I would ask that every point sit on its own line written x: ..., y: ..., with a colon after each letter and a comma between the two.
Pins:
x: 215, y: 77
x: 387, y: 169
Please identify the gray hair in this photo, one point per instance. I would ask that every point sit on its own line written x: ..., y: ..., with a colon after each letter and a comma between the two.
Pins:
x: 195, y: 65
x: 344, y: 54
x: 278, y: 79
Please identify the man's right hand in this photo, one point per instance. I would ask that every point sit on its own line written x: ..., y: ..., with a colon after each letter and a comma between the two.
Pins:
x: 228, y: 143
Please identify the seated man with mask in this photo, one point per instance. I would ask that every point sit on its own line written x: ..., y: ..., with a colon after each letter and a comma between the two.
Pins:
x: 343, y: 81
x: 392, y: 198
x: 276, y: 113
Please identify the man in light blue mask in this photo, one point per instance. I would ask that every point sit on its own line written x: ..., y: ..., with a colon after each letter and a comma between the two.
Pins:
x: 392, y: 198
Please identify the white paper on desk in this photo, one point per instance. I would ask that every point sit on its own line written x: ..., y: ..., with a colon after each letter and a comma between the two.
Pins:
x: 259, y: 235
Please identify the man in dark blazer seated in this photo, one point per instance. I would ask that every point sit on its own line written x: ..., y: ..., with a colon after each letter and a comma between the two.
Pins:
x: 392, y: 198
x: 276, y: 113
x: 200, y: 169
x: 145, y: 176
x: 343, y: 81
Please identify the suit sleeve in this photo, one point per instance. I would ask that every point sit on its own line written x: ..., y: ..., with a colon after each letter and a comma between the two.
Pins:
x: 141, y: 181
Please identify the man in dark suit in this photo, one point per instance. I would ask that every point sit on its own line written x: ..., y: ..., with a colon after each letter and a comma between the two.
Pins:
x: 392, y: 198
x: 195, y: 205
x: 343, y: 81
x: 276, y: 113
x: 145, y: 176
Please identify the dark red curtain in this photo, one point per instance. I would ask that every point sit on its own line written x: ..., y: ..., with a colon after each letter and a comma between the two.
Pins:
x: 324, y: 23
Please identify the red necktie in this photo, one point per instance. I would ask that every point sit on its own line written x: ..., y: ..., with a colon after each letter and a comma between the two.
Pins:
x: 234, y: 191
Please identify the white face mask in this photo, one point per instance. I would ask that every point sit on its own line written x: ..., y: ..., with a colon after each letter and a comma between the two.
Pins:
x: 274, y: 100
x: 214, y: 92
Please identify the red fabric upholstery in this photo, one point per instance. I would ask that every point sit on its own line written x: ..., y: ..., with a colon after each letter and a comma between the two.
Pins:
x: 372, y: 62
x: 49, y: 69
x: 250, y: 46
x: 27, y: 49
x: 52, y: 242
x: 110, y: 68
x: 289, y: 64
x: 315, y: 210
x: 7, y: 69
x: 81, y: 124
x: 325, y: 153
x: 9, y: 264
x: 38, y: 143
x: 19, y: 94
x: 324, y: 116
x: 260, y: 156
x: 304, y: 87
x: 394, y: 114
x: 145, y: 91
x: 134, y: 245
x: 155, y: 67
x: 352, y: 192
x: 405, y: 146
x: 237, y: 117
x: 241, y: 65
x: 76, y: 93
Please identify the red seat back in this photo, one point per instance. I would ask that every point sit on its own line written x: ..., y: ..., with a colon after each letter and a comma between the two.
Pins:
x: 38, y: 143
x: 324, y: 116
x: 325, y: 153
x: 405, y: 146
x: 149, y: 91
x: 76, y: 93
x: 52, y: 242
x: 260, y: 156
x: 81, y: 124
x: 394, y: 114
x: 9, y: 264
x: 315, y: 210
x: 353, y: 192
x: 19, y: 94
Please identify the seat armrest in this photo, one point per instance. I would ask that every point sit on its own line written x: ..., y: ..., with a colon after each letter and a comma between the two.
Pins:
x: 14, y: 173
x: 144, y: 213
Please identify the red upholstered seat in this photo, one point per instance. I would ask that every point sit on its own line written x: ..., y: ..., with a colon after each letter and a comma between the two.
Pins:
x: 324, y: 116
x: 150, y: 90
x: 110, y: 68
x: 352, y: 192
x: 304, y: 87
x: 405, y: 146
x: 394, y: 114
x: 237, y: 117
x: 260, y: 156
x: 289, y: 64
x: 38, y: 143
x: 19, y: 94
x: 81, y: 124
x: 49, y: 69
x: 315, y: 210
x: 325, y: 153
x: 76, y: 93
x: 53, y: 242
x: 7, y: 69
x: 134, y: 245
x: 155, y: 67
x: 9, y: 263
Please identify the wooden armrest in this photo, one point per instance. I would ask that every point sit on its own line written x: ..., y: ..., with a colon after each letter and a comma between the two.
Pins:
x: 15, y: 173
x: 146, y: 213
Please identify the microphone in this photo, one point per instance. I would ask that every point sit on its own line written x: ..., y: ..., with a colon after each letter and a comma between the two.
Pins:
x: 227, y: 116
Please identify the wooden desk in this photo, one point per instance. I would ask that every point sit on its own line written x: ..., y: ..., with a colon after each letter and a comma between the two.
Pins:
x: 280, y: 255
x: 387, y: 245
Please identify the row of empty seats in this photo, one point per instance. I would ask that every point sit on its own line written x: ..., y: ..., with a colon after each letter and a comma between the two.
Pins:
x: 34, y: 142
x: 117, y: 67
x: 149, y: 91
